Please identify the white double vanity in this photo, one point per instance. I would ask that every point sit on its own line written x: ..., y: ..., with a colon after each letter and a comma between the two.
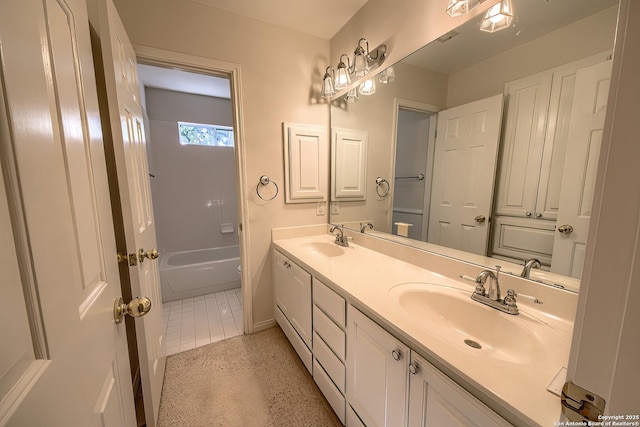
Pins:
x: 392, y: 337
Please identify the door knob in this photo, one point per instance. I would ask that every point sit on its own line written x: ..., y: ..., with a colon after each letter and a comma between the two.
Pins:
x: 480, y: 219
x: 150, y: 254
x: 137, y: 307
x: 565, y: 229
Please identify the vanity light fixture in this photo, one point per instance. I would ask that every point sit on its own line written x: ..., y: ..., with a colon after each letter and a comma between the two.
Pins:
x: 460, y: 7
x: 327, y: 84
x: 368, y: 87
x: 388, y: 75
x: 498, y: 17
x: 352, y: 95
x: 342, y: 74
x: 360, y: 62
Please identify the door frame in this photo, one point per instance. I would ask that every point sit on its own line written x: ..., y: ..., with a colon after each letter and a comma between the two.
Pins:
x: 432, y: 111
x: 170, y: 59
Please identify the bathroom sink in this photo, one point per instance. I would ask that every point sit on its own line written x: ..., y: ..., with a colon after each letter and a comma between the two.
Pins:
x: 323, y: 248
x: 452, y: 316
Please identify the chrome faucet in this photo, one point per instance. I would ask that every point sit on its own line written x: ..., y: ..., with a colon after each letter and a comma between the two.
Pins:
x: 491, y: 295
x: 341, y: 239
x: 528, y: 265
x: 364, y: 226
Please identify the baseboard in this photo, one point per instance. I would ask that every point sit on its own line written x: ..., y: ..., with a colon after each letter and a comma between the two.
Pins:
x: 265, y: 324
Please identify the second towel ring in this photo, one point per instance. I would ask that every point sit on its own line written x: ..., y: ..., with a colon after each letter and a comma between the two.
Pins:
x: 264, y: 181
x: 379, y: 182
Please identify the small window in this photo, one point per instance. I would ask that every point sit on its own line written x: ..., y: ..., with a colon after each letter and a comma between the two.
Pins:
x: 201, y: 134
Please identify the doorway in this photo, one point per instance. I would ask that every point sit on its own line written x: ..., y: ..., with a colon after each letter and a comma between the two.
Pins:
x: 191, y: 155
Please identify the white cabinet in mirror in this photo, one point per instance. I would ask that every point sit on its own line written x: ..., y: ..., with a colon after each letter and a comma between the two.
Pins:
x: 540, y: 188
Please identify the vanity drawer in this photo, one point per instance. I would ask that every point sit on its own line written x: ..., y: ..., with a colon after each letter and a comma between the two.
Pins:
x: 332, y: 335
x: 330, y: 362
x: 330, y: 302
x: 329, y: 390
x: 298, y: 344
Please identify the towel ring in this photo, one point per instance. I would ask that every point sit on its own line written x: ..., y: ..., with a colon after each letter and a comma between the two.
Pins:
x: 264, y: 181
x: 379, y: 182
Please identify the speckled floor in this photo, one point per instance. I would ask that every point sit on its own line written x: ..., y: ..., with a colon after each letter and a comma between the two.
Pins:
x: 249, y: 380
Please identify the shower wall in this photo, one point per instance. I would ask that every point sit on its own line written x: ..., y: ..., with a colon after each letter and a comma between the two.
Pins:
x: 193, y: 187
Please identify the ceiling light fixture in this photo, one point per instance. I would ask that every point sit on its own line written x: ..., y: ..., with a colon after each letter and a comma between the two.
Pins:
x: 498, y: 17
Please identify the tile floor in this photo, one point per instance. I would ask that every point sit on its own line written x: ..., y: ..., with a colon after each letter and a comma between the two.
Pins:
x: 198, y: 321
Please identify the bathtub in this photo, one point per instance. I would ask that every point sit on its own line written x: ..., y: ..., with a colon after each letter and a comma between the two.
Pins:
x: 192, y: 273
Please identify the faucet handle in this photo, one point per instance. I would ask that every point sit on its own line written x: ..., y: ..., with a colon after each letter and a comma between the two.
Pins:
x: 510, y: 299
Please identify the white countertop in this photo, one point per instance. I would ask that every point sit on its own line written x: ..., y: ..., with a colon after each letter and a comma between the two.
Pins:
x: 517, y: 391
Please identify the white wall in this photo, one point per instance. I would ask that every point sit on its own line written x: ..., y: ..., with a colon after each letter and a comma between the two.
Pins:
x: 194, y: 187
x: 280, y: 77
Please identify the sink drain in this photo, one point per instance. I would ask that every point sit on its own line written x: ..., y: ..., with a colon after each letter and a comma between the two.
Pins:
x: 472, y: 343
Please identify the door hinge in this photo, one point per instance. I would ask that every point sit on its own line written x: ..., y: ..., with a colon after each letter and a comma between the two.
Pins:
x: 579, y: 404
x: 132, y: 259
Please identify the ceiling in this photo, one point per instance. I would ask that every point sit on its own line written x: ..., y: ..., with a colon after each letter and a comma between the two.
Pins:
x: 321, y: 19
x: 183, y: 81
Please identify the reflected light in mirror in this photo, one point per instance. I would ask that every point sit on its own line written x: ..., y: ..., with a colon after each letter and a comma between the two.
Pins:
x: 460, y: 7
x: 368, y: 87
x: 498, y: 17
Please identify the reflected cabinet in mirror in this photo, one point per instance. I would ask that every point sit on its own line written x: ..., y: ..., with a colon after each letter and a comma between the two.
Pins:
x: 484, y: 146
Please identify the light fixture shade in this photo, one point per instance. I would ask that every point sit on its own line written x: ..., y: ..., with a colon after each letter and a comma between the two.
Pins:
x: 498, y: 17
x: 460, y: 7
x: 387, y: 76
x: 327, y: 85
x: 360, y: 60
x: 352, y: 95
x: 342, y: 75
x: 368, y: 87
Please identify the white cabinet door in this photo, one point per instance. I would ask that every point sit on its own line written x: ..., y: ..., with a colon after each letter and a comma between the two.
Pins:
x: 463, y: 175
x: 349, y: 164
x: 436, y: 401
x: 306, y: 153
x: 377, y: 372
x: 581, y: 164
x: 292, y: 287
x: 524, y: 138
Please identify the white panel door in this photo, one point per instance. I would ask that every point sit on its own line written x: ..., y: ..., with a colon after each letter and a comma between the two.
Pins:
x: 377, y: 372
x: 63, y: 360
x: 306, y: 155
x: 524, y: 140
x: 463, y: 175
x: 580, y: 167
x: 349, y: 164
x: 127, y: 129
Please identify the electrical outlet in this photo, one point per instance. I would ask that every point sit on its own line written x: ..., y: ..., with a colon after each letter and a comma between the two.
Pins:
x: 334, y: 208
x: 320, y: 208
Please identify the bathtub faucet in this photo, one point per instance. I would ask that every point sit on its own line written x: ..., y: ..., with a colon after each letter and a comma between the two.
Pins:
x: 341, y: 239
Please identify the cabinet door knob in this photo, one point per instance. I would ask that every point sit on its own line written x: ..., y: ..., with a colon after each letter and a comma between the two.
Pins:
x: 413, y: 369
x: 538, y: 215
x: 396, y: 354
x: 528, y: 213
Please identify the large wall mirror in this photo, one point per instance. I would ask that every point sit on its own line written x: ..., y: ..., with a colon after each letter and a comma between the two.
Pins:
x: 484, y: 146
